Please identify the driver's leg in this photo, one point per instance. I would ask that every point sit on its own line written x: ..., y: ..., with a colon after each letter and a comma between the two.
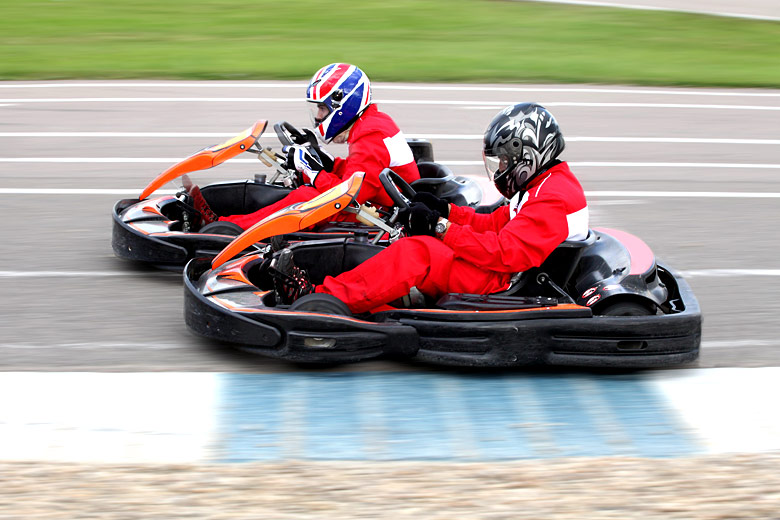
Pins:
x: 301, y: 194
x: 422, y: 262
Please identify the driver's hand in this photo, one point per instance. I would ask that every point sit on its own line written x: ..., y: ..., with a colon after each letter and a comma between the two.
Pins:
x: 326, y: 159
x: 419, y: 219
x: 433, y: 202
x: 305, y: 161
x: 310, y: 138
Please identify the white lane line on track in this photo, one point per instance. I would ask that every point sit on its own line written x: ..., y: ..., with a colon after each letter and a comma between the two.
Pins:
x: 95, y: 346
x: 580, y: 164
x: 643, y: 7
x: 488, y: 105
x: 84, y: 274
x: 740, y: 343
x: 413, y: 87
x: 467, y: 104
x: 444, y: 137
x: 729, y: 272
x: 724, y: 419
x: 699, y: 273
x: 639, y: 194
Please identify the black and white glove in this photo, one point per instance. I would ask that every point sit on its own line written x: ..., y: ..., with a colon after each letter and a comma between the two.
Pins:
x: 326, y: 159
x: 305, y: 161
x: 433, y: 202
x: 419, y: 219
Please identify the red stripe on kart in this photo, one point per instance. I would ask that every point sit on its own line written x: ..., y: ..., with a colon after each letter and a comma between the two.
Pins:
x: 642, y: 257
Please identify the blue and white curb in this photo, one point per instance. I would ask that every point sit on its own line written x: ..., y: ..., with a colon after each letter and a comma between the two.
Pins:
x: 224, y: 418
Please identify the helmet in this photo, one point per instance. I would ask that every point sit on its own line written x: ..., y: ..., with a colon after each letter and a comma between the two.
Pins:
x: 338, y: 94
x: 520, y: 143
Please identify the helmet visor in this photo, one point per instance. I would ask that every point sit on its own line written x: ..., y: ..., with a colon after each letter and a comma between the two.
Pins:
x: 495, y: 165
x: 319, y: 112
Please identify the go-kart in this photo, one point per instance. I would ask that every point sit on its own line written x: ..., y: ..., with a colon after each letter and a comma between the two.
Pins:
x: 604, y: 301
x: 167, y: 231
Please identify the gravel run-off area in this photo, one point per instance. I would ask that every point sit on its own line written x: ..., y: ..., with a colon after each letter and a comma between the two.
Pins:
x: 712, y: 487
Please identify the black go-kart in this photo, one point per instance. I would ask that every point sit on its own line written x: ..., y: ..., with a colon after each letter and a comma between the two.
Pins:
x: 601, y: 302
x: 166, y: 231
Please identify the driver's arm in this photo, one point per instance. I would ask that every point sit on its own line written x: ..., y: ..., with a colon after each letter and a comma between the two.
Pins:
x: 524, y: 242
x: 480, y: 222
x: 363, y: 157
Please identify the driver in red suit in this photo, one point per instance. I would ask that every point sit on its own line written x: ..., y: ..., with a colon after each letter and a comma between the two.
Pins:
x: 340, y: 101
x: 456, y: 250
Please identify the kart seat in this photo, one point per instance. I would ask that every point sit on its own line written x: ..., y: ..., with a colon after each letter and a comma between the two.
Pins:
x: 554, y: 273
x: 538, y: 286
x: 433, y: 176
x: 439, y: 180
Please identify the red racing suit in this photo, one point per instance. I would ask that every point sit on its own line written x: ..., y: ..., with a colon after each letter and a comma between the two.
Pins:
x: 479, y: 253
x: 375, y: 143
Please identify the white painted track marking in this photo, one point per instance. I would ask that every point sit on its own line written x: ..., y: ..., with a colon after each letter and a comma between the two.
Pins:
x: 469, y: 103
x: 138, y: 418
x: 444, y: 137
x: 411, y: 87
x: 639, y: 194
x: 581, y: 164
x: 732, y: 409
x: 676, y: 9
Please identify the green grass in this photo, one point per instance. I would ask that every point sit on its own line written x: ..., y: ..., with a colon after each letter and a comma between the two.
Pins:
x: 402, y: 40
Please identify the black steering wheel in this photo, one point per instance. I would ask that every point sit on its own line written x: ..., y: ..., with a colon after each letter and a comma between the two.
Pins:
x: 289, y: 135
x: 400, y: 192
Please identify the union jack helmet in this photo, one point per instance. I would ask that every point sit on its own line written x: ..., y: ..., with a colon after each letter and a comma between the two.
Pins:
x: 338, y: 94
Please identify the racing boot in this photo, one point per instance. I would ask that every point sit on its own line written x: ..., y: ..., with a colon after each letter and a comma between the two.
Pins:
x: 290, y: 282
x: 206, y: 213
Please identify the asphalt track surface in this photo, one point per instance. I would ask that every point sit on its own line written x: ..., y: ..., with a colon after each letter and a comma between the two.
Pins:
x: 694, y: 172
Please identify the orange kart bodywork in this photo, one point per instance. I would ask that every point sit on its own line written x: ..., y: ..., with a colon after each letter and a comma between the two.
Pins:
x: 295, y: 218
x: 208, y: 157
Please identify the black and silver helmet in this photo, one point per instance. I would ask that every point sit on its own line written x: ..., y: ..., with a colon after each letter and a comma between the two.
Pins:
x: 520, y: 143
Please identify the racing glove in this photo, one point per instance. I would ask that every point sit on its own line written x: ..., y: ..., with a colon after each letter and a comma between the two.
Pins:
x: 326, y: 159
x: 433, y: 202
x: 419, y: 219
x: 305, y: 161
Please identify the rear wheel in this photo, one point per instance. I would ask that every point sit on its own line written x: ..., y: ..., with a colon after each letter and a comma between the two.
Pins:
x: 626, y: 308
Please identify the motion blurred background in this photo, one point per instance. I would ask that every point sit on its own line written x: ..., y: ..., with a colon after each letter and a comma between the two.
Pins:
x: 401, y: 40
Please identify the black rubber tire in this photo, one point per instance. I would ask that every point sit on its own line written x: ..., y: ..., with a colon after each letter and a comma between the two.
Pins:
x: 625, y: 308
x: 321, y: 303
x: 222, y: 228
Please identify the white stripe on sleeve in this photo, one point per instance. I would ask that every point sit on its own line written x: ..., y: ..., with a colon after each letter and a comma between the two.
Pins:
x: 399, y: 150
x: 578, y: 224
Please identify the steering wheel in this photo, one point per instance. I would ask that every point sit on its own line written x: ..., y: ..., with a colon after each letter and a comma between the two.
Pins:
x: 289, y: 135
x: 400, y: 192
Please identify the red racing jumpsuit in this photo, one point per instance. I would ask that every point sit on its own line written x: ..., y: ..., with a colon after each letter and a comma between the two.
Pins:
x: 375, y: 143
x: 479, y: 253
